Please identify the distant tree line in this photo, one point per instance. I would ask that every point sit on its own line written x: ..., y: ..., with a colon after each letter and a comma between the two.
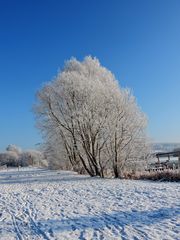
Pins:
x: 89, y: 123
x: 15, y: 157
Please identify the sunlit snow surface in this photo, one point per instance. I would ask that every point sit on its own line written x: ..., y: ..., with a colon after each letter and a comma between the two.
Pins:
x: 42, y: 204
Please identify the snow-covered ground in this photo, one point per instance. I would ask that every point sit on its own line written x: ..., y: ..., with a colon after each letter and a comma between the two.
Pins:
x: 42, y: 204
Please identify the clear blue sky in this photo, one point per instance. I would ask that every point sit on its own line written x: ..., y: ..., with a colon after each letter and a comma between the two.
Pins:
x: 138, y: 40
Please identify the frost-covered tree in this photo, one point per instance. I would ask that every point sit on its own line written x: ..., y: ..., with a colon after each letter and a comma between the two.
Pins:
x: 32, y: 158
x: 9, y: 158
x: 14, y: 148
x: 88, y: 121
x: 13, y: 154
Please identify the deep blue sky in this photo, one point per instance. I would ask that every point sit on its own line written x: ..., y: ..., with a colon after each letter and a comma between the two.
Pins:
x: 138, y: 40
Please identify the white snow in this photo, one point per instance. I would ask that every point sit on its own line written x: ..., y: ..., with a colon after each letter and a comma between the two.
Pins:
x: 43, y: 204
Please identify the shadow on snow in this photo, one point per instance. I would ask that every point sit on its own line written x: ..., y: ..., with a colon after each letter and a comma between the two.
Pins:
x: 39, y: 176
x: 137, y: 219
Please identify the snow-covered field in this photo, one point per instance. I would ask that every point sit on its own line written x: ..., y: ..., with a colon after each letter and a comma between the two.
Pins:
x: 43, y: 204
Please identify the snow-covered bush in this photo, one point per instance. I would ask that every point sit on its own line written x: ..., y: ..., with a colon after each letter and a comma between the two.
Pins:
x: 89, y: 122
x: 166, y: 175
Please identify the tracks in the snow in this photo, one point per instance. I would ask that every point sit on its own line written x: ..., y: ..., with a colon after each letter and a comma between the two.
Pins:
x: 21, y: 213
